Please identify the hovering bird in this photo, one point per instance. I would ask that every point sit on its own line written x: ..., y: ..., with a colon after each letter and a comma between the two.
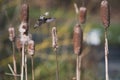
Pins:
x: 43, y: 19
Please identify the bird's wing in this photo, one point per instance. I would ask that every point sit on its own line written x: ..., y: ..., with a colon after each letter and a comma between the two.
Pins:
x: 49, y: 20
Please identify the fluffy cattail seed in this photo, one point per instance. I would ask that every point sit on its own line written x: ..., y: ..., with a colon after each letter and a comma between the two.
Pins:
x: 54, y: 38
x: 25, y: 13
x: 105, y: 13
x: 83, y: 12
x: 11, y: 33
x: 77, y: 39
x: 23, y: 28
x: 31, y: 47
x: 24, y: 38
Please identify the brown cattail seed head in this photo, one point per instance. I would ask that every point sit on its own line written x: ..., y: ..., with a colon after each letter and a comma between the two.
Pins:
x: 83, y: 12
x: 77, y: 39
x: 11, y: 33
x: 54, y: 38
x: 25, y: 13
x: 18, y: 44
x: 31, y: 47
x: 105, y: 13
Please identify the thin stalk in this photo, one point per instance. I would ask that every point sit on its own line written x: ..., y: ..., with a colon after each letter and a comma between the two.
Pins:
x: 77, y: 12
x: 26, y: 75
x: 14, y: 60
x: 32, y: 63
x: 106, y: 56
x: 57, y: 69
x: 83, y: 2
x: 23, y: 59
x: 77, y: 68
x: 80, y: 64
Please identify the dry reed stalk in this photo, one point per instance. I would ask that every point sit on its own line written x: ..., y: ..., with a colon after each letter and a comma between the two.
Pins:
x: 82, y: 14
x: 106, y: 56
x: 77, y: 40
x: 55, y: 46
x: 12, y: 39
x: 105, y: 17
x: 23, y: 60
x: 23, y: 29
x: 105, y: 13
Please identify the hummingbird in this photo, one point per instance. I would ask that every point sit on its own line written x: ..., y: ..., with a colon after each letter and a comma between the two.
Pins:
x: 42, y: 20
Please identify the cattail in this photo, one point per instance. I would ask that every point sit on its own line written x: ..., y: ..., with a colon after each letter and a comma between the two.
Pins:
x: 83, y: 12
x: 54, y: 38
x: 77, y: 39
x: 105, y: 13
x: 31, y: 47
x: 11, y: 33
x: 18, y: 44
x: 25, y: 13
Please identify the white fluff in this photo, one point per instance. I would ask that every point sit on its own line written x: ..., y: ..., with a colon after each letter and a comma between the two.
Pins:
x: 24, y: 38
x: 21, y: 29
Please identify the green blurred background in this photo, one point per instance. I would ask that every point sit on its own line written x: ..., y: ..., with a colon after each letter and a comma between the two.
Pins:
x: 44, y: 59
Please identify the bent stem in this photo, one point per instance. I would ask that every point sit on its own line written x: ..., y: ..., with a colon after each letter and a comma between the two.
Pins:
x: 106, y: 56
x: 14, y: 60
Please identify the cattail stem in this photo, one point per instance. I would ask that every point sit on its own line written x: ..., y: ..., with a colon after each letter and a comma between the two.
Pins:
x: 26, y: 75
x: 78, y: 67
x: 14, y: 60
x: 83, y: 2
x: 80, y: 64
x: 106, y: 56
x: 32, y: 63
x: 23, y: 59
x: 57, y: 69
